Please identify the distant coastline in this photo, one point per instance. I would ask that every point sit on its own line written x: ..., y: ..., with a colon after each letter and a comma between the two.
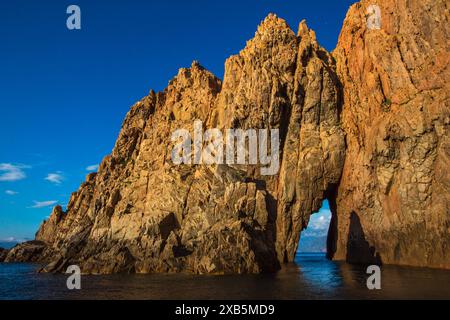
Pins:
x: 8, y: 244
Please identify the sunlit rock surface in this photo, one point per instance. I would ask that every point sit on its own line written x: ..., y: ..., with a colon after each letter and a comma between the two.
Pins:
x: 365, y: 128
x: 393, y: 199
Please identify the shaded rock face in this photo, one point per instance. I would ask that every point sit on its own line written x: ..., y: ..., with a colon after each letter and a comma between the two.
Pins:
x: 3, y: 254
x: 30, y: 251
x: 396, y: 115
x: 49, y: 229
x: 142, y: 213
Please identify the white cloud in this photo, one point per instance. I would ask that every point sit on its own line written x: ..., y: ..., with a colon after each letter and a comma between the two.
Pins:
x: 93, y: 167
x: 12, y: 172
x: 43, y: 204
x: 11, y: 193
x: 320, y: 220
x: 12, y: 239
x: 56, y: 178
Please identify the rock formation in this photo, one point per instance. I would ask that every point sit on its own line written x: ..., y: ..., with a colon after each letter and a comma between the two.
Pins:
x: 3, y: 254
x: 365, y: 127
x: 143, y: 213
x: 393, y: 200
x: 30, y: 251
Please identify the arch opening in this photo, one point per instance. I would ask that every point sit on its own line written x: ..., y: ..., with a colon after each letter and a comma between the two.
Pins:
x: 314, y: 239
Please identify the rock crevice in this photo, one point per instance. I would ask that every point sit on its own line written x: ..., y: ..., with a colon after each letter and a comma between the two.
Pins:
x: 142, y: 213
x: 365, y: 127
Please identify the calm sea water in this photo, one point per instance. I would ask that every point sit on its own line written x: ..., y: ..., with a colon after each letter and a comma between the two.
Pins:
x: 311, y: 277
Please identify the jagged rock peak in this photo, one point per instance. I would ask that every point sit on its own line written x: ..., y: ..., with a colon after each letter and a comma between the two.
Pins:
x: 304, y: 32
x: 271, y: 24
x: 196, y: 64
x: 196, y: 73
x: 142, y: 213
x: 271, y: 31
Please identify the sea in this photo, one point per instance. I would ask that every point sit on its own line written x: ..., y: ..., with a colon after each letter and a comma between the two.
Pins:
x: 312, y: 276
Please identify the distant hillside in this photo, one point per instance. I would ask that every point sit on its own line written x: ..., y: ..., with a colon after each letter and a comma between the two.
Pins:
x: 313, y: 240
x: 8, y: 245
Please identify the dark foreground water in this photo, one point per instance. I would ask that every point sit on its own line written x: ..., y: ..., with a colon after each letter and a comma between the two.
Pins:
x: 311, y: 277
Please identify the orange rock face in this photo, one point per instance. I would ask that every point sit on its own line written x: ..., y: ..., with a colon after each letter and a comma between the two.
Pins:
x: 142, y: 213
x: 393, y: 198
x: 365, y: 127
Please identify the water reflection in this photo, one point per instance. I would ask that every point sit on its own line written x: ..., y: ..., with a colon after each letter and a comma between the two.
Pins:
x: 320, y: 273
x: 311, y: 277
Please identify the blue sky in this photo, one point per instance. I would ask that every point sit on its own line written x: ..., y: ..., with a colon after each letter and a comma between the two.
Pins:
x: 64, y: 93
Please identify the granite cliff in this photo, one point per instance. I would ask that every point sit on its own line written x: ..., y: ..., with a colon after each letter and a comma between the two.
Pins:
x: 393, y: 199
x: 365, y: 127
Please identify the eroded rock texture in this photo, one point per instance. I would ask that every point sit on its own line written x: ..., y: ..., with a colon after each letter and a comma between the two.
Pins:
x: 31, y: 251
x: 393, y: 199
x: 142, y: 213
x: 384, y: 89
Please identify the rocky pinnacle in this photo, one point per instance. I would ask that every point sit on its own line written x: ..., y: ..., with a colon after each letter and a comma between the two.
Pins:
x: 365, y: 127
